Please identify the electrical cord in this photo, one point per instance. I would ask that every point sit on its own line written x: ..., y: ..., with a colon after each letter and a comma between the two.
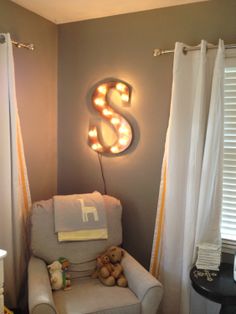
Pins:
x: 102, y: 173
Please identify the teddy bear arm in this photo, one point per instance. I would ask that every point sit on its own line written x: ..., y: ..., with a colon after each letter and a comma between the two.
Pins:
x: 118, y: 269
x: 99, y: 262
x: 110, y: 267
x: 104, y: 272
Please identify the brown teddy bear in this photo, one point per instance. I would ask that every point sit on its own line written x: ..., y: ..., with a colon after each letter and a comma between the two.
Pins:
x: 108, y: 268
x: 115, y: 255
x: 104, y: 270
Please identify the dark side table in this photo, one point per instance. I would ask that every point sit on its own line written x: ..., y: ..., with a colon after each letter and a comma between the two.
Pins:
x: 222, y: 288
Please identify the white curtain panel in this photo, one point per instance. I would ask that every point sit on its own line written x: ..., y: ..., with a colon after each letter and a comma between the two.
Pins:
x: 191, y: 186
x: 14, y: 189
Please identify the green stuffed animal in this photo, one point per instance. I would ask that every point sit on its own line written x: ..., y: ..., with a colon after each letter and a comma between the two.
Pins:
x: 59, y: 276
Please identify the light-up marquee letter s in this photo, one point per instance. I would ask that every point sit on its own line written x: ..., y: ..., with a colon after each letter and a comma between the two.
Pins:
x: 121, y: 126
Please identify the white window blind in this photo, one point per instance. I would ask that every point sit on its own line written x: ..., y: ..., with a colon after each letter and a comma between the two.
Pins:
x: 228, y: 223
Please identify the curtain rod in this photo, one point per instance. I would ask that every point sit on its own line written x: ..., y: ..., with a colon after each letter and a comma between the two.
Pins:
x: 17, y: 44
x: 158, y: 51
x: 23, y: 45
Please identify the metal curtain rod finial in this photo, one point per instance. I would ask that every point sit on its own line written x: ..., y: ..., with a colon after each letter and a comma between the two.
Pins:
x: 158, y: 52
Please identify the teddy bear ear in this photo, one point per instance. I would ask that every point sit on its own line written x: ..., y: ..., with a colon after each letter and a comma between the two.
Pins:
x: 122, y: 253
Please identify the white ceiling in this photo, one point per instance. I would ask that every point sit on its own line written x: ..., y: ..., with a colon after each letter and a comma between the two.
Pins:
x: 64, y: 11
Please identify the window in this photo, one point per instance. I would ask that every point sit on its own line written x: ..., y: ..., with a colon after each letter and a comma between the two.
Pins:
x: 228, y: 223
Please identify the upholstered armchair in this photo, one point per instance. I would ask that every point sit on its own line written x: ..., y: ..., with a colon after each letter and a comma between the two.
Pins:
x: 87, y: 295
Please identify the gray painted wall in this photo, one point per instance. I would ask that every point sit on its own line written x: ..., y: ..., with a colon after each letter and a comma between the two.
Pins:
x: 89, y: 51
x: 36, y: 88
x: 121, y: 47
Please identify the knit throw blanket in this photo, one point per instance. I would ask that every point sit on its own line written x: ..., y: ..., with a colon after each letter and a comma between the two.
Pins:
x: 80, y: 217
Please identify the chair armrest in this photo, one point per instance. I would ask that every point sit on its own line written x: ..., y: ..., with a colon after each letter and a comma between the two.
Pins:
x: 147, y: 288
x: 39, y: 288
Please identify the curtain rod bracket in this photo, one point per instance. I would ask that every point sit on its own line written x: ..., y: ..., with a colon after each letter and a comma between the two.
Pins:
x: 2, y: 39
x: 157, y: 52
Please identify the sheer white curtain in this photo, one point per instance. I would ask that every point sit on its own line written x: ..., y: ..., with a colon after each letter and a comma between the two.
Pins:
x: 189, y: 208
x: 14, y: 188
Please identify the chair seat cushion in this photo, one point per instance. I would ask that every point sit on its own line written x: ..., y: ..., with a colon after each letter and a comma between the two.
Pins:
x: 89, y: 296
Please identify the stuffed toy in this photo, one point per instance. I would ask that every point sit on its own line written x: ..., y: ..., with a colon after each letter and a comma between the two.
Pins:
x: 59, y: 276
x: 115, y: 255
x: 108, y: 268
x: 103, y: 270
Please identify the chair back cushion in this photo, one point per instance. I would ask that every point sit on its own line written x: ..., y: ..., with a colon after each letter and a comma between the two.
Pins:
x: 44, y: 243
